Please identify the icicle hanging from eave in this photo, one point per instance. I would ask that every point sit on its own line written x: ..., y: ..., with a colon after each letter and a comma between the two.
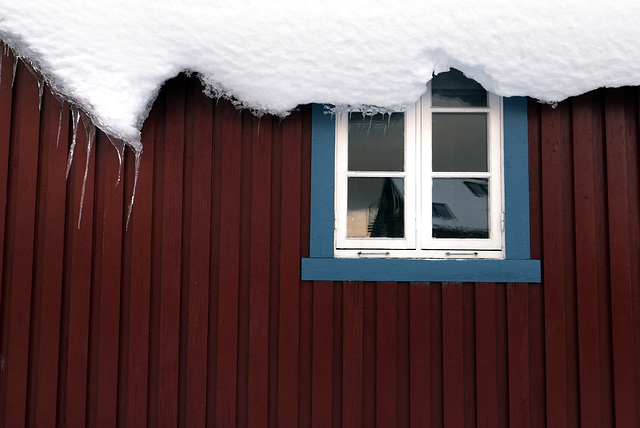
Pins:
x: 77, y: 115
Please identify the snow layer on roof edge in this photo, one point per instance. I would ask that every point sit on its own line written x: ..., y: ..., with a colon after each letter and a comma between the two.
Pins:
x: 272, y: 56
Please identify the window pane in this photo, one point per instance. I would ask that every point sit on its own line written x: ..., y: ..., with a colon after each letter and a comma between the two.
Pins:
x: 375, y: 207
x: 459, y: 142
x: 376, y: 143
x: 464, y: 204
x: 452, y: 89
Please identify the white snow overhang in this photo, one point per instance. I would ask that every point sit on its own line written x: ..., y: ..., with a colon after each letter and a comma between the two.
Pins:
x: 111, y: 57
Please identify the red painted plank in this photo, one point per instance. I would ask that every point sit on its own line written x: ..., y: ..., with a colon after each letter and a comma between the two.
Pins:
x: 156, y: 251
x: 633, y: 178
x: 19, y: 247
x: 136, y: 297
x: 336, y: 409
x: 305, y: 362
x: 420, y: 354
x: 305, y: 359
x: 587, y: 147
x: 620, y: 253
x: 369, y: 365
x: 6, y: 106
x: 403, y: 388
x: 48, y: 264
x: 76, y: 289
x: 633, y: 191
x: 260, y: 256
x: 352, y: 302
x: 274, y: 279
x: 487, y: 405
x: 567, y: 220
x: 518, y: 343
x: 536, y: 296
x: 502, y: 366
x: 242, y: 401
x: 198, y: 154
x: 215, y: 268
x: 537, y: 401
x: 452, y: 359
x: 437, y: 351
x: 227, y: 357
x: 469, y: 355
x: 322, y: 375
x: 289, y: 272
x: 169, y: 257
x: 555, y: 136
x: 105, y: 311
x: 386, y: 351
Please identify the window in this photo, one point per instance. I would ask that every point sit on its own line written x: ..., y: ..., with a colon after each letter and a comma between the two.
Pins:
x: 424, y: 183
x: 392, y: 176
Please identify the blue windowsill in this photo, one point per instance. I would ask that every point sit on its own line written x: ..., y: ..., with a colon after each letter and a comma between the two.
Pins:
x: 517, y: 267
x: 332, y: 269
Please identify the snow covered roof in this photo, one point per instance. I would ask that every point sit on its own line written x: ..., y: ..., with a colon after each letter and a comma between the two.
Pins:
x: 112, y: 56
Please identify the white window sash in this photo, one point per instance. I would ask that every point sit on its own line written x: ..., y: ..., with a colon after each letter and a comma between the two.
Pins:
x: 494, y: 174
x: 418, y: 176
x: 409, y: 184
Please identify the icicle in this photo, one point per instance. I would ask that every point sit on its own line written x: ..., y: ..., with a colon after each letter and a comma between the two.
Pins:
x: 135, y: 184
x: 75, y: 114
x: 91, y: 134
x: 119, y: 146
x: 59, y: 128
x: 15, y: 68
x: 259, y: 120
x: 1, y: 61
x: 41, y: 86
x: 554, y: 105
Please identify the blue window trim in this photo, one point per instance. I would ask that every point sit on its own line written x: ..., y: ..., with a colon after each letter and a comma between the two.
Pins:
x: 516, y: 267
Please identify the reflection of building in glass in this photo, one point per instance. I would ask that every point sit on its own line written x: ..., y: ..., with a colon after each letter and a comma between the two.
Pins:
x: 386, y: 215
x: 441, y: 211
x: 460, y: 208
x: 481, y: 190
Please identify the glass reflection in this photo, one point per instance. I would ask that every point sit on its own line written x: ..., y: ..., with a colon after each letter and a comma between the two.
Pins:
x: 376, y: 143
x: 453, y: 89
x: 460, y: 208
x: 375, y: 207
x: 460, y: 142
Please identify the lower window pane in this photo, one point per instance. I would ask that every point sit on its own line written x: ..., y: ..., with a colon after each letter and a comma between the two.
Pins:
x: 375, y: 207
x: 460, y: 208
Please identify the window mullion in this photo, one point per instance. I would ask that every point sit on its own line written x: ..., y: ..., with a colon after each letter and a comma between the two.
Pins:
x: 411, y: 184
x: 461, y: 174
x: 427, y: 170
x: 398, y: 174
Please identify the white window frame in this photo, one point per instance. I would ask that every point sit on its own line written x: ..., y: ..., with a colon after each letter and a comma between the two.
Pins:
x: 418, y: 176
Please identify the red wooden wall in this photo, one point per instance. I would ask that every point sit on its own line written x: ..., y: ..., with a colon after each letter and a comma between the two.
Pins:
x: 195, y: 313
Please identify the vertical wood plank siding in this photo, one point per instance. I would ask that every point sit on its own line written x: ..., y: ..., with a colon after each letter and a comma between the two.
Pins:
x: 195, y: 314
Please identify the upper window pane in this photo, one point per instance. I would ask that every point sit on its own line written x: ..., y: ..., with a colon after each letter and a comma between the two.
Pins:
x: 452, y: 89
x: 376, y: 143
x: 459, y: 142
